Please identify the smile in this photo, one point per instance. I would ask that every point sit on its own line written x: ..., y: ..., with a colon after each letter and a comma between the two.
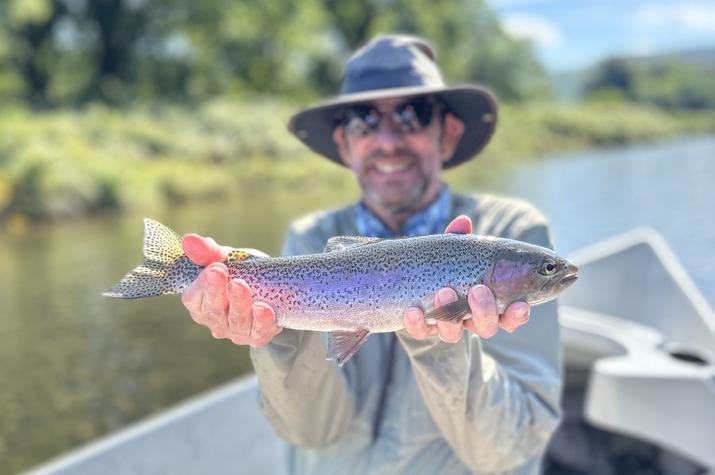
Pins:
x: 391, y: 167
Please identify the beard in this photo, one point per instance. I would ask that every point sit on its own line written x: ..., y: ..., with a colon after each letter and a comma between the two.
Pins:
x: 410, y: 201
x: 395, y: 196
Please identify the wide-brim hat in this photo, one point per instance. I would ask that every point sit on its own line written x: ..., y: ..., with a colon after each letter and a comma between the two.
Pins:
x: 398, y: 66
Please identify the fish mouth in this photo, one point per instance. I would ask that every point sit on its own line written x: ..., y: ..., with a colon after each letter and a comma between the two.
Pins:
x: 569, y: 277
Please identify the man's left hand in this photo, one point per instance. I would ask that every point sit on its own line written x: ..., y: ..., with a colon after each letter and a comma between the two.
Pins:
x: 485, y: 321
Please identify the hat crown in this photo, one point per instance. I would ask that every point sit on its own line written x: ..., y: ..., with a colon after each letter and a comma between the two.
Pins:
x: 391, y: 61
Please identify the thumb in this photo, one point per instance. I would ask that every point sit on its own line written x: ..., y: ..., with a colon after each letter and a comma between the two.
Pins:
x: 203, y: 250
x: 460, y: 225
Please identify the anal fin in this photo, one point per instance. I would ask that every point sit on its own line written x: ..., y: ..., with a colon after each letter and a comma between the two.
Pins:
x: 343, y: 345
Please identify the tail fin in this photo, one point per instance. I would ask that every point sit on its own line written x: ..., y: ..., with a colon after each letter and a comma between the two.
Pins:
x: 165, y: 270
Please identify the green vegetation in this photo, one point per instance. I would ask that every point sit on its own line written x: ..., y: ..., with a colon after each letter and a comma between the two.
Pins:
x: 64, y: 52
x: 667, y: 82
x: 76, y: 162
x: 81, y: 131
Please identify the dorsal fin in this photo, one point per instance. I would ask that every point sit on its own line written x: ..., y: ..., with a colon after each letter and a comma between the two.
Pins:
x: 339, y: 243
x: 161, y: 244
x: 244, y: 254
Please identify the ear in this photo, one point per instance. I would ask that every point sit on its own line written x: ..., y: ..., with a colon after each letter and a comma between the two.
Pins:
x: 342, y: 143
x: 452, y: 130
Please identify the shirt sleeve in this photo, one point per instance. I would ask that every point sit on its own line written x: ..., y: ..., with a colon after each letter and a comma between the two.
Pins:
x: 304, y: 397
x: 495, y: 401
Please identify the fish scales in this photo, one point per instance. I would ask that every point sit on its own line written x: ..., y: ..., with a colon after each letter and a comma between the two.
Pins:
x: 369, y: 286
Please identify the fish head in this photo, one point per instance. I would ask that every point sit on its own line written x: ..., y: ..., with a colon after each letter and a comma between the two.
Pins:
x: 528, y: 273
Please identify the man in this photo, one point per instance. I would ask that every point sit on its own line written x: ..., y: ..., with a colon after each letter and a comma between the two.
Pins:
x: 442, y: 398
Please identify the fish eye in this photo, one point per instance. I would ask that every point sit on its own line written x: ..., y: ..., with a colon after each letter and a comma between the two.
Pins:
x: 548, y: 268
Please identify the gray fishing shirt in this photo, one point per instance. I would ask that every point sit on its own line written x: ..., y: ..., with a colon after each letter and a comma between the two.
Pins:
x: 402, y: 405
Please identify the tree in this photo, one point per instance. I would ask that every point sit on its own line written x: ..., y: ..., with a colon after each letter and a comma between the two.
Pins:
x: 668, y: 83
x: 31, y: 52
x: 114, y: 51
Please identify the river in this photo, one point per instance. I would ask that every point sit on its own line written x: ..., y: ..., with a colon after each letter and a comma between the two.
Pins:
x: 74, y: 365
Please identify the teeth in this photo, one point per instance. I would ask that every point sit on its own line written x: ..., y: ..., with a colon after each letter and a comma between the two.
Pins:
x: 391, y: 167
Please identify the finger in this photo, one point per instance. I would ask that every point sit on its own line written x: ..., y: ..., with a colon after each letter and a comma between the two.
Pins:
x: 415, y: 324
x: 449, y: 332
x: 461, y: 225
x: 203, y: 250
x: 515, y: 316
x: 240, y: 316
x: 485, y: 318
x: 214, y: 303
x: 192, y: 296
x: 264, y: 326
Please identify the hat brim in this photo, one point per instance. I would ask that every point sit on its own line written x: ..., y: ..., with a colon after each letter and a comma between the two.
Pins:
x: 475, y: 106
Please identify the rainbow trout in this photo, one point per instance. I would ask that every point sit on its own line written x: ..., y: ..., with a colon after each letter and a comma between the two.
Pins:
x: 360, y: 285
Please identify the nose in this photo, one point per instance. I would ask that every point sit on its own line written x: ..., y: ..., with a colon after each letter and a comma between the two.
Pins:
x: 387, y: 136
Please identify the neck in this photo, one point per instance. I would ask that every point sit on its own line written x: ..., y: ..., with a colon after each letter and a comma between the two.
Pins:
x: 396, y: 217
x: 394, y: 220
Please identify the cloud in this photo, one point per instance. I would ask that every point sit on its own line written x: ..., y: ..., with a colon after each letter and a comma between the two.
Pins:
x: 533, y: 28
x: 691, y: 16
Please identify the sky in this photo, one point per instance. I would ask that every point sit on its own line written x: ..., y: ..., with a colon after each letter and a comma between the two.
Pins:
x: 570, y: 35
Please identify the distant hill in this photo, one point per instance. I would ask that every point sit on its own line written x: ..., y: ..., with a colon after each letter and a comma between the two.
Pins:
x: 569, y: 85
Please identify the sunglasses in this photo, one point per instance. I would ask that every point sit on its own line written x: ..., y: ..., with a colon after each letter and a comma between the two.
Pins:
x: 409, y: 117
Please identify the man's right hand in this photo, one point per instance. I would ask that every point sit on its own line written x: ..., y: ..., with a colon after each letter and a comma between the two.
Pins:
x: 225, y: 306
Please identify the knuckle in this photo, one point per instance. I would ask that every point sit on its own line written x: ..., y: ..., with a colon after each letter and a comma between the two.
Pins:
x: 190, y: 299
x: 489, y: 331
x: 238, y: 340
x: 214, y: 315
x: 197, y: 317
x: 235, y: 321
x: 218, y: 333
x: 260, y: 333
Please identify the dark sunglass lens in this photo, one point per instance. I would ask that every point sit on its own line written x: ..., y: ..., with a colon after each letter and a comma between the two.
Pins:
x: 360, y: 120
x: 415, y: 114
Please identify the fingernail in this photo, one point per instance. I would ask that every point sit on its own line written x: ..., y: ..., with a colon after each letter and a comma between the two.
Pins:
x: 215, y: 276
x: 523, y: 312
x: 445, y: 296
x: 239, y: 289
x: 480, y: 293
x: 259, y: 311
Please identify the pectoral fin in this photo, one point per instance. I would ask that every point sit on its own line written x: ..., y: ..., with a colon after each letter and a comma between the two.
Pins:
x: 343, y: 345
x: 452, y: 312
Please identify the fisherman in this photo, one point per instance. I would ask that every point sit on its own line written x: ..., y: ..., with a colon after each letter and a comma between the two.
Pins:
x: 432, y: 398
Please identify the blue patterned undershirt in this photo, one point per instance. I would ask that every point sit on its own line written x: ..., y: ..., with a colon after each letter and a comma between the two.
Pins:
x: 431, y: 220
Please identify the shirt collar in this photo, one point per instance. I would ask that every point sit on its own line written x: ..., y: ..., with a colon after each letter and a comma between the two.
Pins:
x: 431, y: 220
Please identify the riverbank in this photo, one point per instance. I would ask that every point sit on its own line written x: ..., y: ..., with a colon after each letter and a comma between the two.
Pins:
x: 70, y: 163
